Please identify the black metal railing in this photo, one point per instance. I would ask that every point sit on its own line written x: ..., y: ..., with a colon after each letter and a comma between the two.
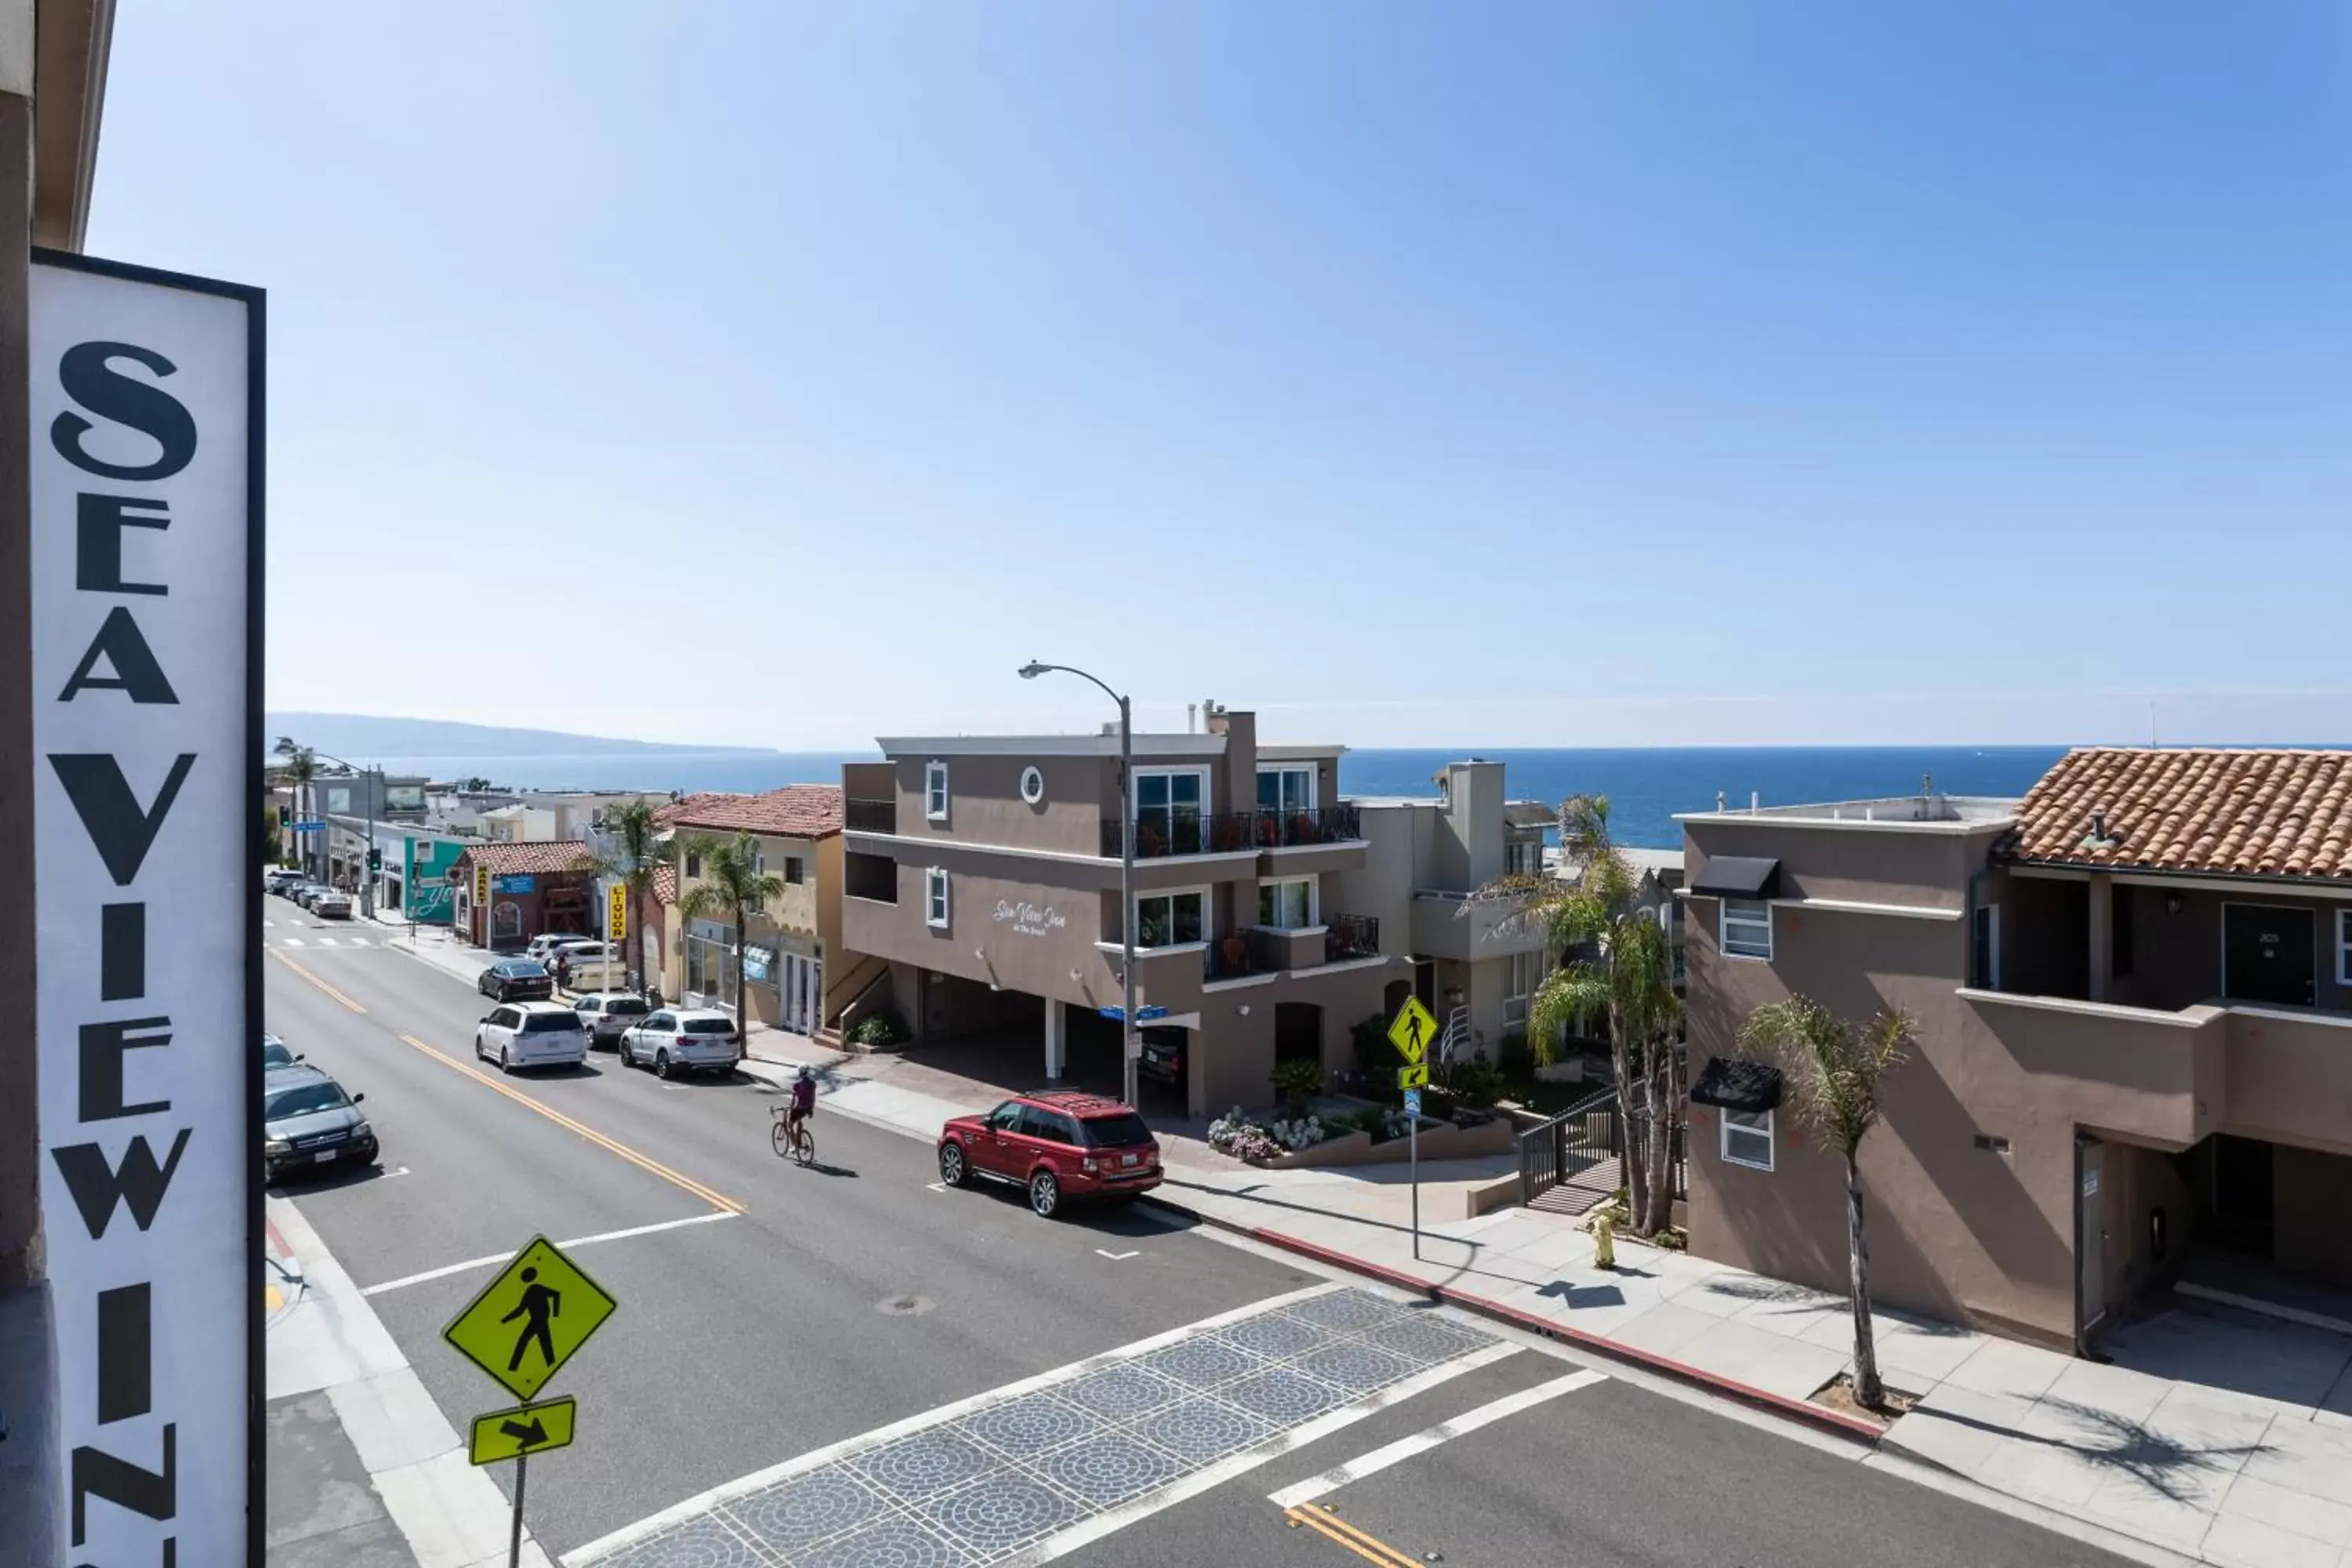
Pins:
x: 870, y: 815
x: 1246, y: 951
x: 1567, y: 1145
x: 1164, y: 833
x: 1350, y: 936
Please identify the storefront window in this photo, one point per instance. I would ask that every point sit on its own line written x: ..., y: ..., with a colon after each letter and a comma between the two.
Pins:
x: 506, y: 919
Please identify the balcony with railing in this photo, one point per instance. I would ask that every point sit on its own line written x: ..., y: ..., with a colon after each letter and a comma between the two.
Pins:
x: 1269, y: 950
x: 1160, y: 833
x: 1350, y: 936
x: 870, y: 815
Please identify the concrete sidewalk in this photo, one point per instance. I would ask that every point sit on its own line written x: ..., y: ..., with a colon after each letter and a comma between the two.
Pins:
x: 2208, y: 1439
x: 364, y: 1471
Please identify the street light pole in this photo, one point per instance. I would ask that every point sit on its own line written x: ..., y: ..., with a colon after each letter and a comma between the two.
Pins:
x: 1129, y: 1040
x: 368, y: 786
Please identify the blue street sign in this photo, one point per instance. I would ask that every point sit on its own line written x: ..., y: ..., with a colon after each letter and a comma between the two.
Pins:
x: 311, y: 826
x: 1412, y: 1102
x: 1142, y: 1014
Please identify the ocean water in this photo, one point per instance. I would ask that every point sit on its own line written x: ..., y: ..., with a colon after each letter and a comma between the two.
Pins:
x: 1645, y: 787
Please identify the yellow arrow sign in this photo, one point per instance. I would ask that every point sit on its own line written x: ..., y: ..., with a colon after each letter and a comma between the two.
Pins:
x: 1414, y: 1030
x: 525, y: 1429
x: 1413, y: 1076
x: 529, y: 1320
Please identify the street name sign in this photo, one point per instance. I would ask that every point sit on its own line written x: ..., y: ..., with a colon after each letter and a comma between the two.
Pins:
x: 144, y: 487
x: 529, y: 1320
x: 525, y: 1429
x: 1414, y: 1030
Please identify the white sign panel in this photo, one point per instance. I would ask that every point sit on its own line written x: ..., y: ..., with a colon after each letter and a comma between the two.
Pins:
x: 146, y: 564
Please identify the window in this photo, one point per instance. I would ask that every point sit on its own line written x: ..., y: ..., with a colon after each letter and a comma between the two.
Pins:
x: 693, y: 863
x: 1984, y: 947
x: 1523, y: 859
x: 1748, y: 1139
x: 2119, y: 933
x: 935, y: 898
x: 1287, y: 905
x: 935, y: 791
x: 1126, y: 1130
x: 1522, y: 972
x: 793, y: 872
x: 549, y: 1023
x: 1005, y: 1117
x: 1050, y: 1126
x: 1285, y: 790
x: 1169, y: 919
x: 1747, y: 928
x: 2344, y: 947
x: 1170, y: 804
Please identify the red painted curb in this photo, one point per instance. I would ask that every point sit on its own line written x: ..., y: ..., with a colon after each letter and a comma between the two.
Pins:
x: 1812, y: 1414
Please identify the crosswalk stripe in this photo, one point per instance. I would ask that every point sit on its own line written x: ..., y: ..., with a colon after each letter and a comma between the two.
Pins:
x: 358, y: 942
x: 326, y: 942
x: 269, y: 925
x: 1380, y: 1459
x: 293, y: 941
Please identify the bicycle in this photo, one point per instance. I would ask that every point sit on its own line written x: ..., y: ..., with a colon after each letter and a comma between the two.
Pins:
x: 781, y: 1137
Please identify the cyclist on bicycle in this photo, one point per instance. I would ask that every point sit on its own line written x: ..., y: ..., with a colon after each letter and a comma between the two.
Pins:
x: 803, y: 1099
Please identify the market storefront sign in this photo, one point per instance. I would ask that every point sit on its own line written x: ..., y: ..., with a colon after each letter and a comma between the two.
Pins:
x: 146, y: 554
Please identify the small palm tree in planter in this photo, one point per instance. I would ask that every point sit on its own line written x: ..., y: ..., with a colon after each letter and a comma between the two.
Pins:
x: 1834, y: 1069
x: 733, y: 885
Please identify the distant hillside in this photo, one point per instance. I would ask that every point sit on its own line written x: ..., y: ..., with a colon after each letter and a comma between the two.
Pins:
x: 360, y: 735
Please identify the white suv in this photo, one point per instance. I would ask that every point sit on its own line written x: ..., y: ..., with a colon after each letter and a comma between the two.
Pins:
x: 680, y: 1040
x: 531, y: 1035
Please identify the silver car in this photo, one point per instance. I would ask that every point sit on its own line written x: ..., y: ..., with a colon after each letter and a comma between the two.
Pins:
x: 606, y: 1015
x: 682, y: 1039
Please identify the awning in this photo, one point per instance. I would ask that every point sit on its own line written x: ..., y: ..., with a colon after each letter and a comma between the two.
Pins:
x: 1738, y: 877
x: 1735, y: 1085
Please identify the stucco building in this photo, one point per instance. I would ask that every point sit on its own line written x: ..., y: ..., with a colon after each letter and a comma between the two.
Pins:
x: 505, y: 894
x: 984, y: 872
x: 2133, y: 992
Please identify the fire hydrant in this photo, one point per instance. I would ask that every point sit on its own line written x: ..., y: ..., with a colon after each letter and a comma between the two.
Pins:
x: 1604, y: 1245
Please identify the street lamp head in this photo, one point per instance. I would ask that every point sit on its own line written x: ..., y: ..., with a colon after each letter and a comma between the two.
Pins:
x: 1033, y: 670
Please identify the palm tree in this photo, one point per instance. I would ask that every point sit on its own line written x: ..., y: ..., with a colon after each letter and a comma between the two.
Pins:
x: 301, y: 769
x: 1833, y: 1068
x: 636, y: 855
x: 732, y: 884
x: 1623, y: 972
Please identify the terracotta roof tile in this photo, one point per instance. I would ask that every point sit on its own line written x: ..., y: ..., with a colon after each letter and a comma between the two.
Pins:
x: 2246, y: 813
x: 795, y: 811
x: 544, y: 856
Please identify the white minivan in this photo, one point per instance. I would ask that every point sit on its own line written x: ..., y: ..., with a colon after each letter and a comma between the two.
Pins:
x: 531, y: 1035
x: 682, y: 1039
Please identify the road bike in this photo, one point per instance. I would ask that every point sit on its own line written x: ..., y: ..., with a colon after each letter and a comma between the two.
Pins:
x: 783, y: 1139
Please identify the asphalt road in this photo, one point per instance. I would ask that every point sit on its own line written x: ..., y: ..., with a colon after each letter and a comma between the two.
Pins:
x: 824, y: 1303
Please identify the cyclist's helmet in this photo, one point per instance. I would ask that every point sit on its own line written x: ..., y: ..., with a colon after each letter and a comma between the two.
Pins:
x: 808, y: 1073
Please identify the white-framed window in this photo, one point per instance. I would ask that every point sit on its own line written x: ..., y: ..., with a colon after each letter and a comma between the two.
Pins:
x: 1287, y: 904
x: 1171, y: 919
x: 2343, y: 946
x: 1172, y: 809
x: 1523, y: 859
x: 1747, y: 928
x: 1748, y: 1139
x: 1285, y: 789
x: 1522, y: 972
x: 935, y: 791
x: 935, y: 898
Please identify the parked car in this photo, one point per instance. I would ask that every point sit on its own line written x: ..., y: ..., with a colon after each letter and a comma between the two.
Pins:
x: 531, y: 1035
x: 281, y: 879
x: 682, y: 1039
x: 332, y: 904
x: 1162, y: 1056
x: 308, y: 894
x: 543, y: 946
x: 591, y: 963
x: 277, y: 1053
x: 606, y: 1015
x: 515, y: 979
x: 1058, y: 1147
x: 308, y: 1120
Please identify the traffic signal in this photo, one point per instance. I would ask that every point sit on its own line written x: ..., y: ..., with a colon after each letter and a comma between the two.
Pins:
x: 376, y: 859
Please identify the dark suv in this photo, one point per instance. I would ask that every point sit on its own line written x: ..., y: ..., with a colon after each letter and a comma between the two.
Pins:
x: 1057, y: 1147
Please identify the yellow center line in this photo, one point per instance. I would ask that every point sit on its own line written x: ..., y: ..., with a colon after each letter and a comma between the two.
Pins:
x: 313, y: 979
x: 1332, y: 1528
x: 655, y: 1167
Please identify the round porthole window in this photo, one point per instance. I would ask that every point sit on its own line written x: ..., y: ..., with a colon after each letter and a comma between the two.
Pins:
x: 1033, y: 785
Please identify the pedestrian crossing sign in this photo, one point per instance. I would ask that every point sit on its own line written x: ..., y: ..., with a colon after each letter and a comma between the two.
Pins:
x: 528, y: 1319
x: 526, y: 1429
x: 1413, y: 1031
x: 1413, y: 1076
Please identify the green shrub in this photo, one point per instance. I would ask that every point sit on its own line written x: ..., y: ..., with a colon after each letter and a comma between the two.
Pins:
x: 882, y: 1027
x: 1476, y: 1082
x: 1513, y: 1058
x: 1376, y: 1058
x: 1296, y: 1082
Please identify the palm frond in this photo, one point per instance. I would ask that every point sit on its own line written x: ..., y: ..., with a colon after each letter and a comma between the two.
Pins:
x: 1832, y: 1067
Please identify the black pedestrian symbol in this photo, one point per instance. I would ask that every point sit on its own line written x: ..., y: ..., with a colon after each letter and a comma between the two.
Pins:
x: 1413, y: 1029
x: 538, y: 1306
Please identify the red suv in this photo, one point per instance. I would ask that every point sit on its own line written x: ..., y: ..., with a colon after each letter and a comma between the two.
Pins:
x: 1057, y: 1146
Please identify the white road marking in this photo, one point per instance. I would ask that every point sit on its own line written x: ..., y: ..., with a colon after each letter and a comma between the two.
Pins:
x: 269, y: 925
x: 1115, y: 1256
x: 1404, y: 1448
x: 293, y: 941
x: 937, y: 1186
x: 358, y: 942
x: 326, y: 942
x: 443, y: 1273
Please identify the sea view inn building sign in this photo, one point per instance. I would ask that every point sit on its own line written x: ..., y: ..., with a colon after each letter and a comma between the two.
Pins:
x: 144, y: 488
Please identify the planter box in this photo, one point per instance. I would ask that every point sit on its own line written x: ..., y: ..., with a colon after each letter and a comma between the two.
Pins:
x: 1439, y: 1141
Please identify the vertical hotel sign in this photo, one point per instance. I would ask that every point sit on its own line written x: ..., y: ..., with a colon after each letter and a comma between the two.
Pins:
x: 146, y: 489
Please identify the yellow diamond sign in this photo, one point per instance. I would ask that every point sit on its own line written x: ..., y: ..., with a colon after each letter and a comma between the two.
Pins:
x: 529, y: 1320
x: 1414, y: 1030
x: 525, y: 1429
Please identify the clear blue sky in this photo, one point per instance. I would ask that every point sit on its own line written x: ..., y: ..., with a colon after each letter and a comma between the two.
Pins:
x: 1545, y: 373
